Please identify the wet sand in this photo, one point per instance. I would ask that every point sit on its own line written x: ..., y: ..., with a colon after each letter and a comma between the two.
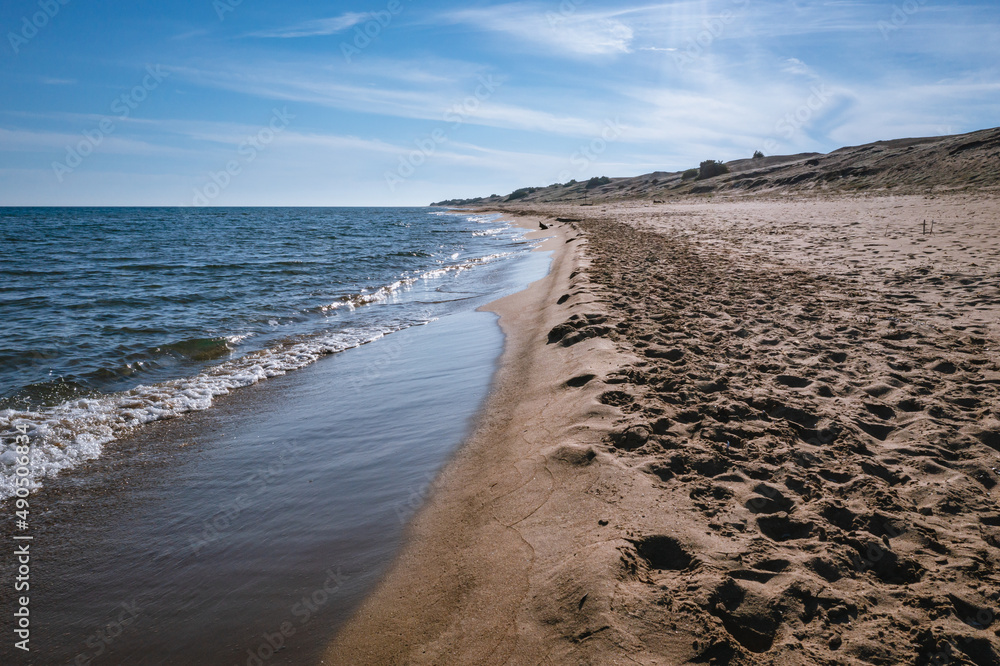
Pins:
x: 744, y: 432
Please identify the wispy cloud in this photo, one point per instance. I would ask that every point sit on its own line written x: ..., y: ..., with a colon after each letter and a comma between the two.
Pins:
x: 566, y: 33
x: 796, y: 66
x: 30, y: 141
x: 684, y: 80
x: 300, y: 83
x: 326, y: 26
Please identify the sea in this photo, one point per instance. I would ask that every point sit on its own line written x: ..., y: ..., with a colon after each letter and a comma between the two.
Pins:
x: 232, y: 413
x: 117, y: 317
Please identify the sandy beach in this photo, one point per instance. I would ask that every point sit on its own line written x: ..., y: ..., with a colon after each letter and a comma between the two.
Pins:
x: 752, y: 431
x: 500, y: 333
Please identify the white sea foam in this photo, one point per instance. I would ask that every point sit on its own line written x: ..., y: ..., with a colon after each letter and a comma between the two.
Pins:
x: 382, y: 294
x: 483, y: 219
x: 238, y: 338
x: 77, y: 430
x: 490, y: 232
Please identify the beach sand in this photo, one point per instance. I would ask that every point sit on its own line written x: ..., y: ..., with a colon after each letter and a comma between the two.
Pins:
x: 733, y: 432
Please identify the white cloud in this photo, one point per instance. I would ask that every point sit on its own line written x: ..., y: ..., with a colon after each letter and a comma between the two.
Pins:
x: 796, y: 66
x: 566, y: 33
x: 910, y: 109
x: 28, y: 141
x: 327, y: 26
x: 298, y: 83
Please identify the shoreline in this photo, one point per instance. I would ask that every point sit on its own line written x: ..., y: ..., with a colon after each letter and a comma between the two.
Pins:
x: 200, y: 521
x: 472, y: 551
x: 217, y: 524
x: 774, y: 438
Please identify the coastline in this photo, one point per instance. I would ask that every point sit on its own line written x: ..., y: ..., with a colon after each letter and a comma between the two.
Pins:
x: 484, y: 540
x: 774, y: 438
x: 216, y: 526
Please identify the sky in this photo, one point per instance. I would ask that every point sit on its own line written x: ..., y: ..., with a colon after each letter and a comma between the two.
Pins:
x: 404, y: 102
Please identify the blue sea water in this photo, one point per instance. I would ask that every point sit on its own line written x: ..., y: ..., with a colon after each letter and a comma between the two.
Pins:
x: 116, y: 317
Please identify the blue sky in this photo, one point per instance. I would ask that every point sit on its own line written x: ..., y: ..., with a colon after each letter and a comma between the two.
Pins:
x: 400, y: 102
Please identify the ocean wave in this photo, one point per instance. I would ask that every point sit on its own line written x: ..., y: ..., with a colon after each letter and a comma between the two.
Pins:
x: 75, y: 422
x: 490, y: 232
x: 77, y: 430
x: 481, y: 219
x: 237, y: 338
x: 198, y: 349
x: 484, y: 219
x: 132, y: 363
x: 383, y: 293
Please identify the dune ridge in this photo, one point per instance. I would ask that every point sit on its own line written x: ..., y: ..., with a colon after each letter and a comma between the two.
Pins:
x: 920, y: 166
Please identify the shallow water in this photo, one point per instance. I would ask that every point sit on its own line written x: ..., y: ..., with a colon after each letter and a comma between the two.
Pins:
x: 278, y: 509
x: 115, y: 318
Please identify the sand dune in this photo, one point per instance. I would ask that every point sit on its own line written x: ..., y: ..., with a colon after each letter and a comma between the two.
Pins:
x: 964, y: 162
